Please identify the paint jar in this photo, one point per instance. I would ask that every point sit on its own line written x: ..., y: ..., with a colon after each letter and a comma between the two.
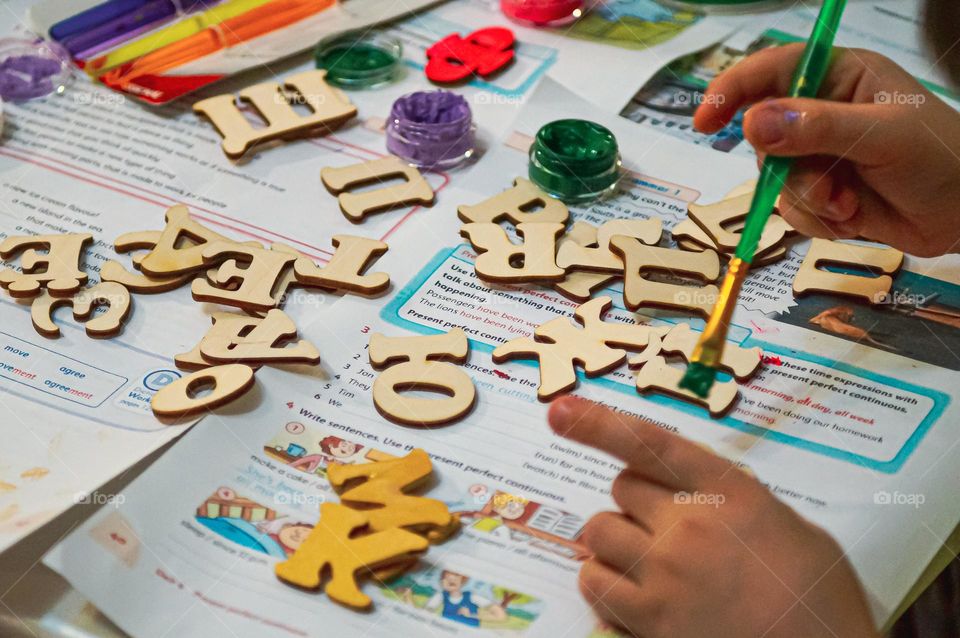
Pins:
x: 576, y: 161
x: 360, y: 60
x: 726, y: 6
x: 32, y: 68
x: 542, y: 13
x: 431, y: 129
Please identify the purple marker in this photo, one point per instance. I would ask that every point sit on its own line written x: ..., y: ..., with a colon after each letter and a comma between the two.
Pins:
x: 118, y: 20
x: 431, y: 129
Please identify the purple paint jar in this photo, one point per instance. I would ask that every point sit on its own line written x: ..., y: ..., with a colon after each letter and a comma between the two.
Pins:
x: 32, y: 68
x: 431, y: 129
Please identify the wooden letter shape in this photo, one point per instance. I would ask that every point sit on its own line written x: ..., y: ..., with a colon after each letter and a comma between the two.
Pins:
x: 114, y: 270
x: 179, y: 248
x: 421, y: 363
x: 524, y: 202
x: 252, y: 340
x: 345, y: 269
x: 691, y: 237
x: 657, y: 375
x: 742, y: 362
x: 109, y: 323
x: 253, y: 287
x: 272, y: 102
x: 499, y: 258
x: 579, y: 285
x: 717, y: 220
x: 356, y: 206
x: 638, y: 291
x: 602, y: 259
x: 870, y: 289
x: 58, y: 268
x: 177, y: 400
x: 386, y: 482
x: 330, y: 545
x: 561, y: 346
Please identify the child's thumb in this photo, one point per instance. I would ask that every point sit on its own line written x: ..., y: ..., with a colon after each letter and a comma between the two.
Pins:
x: 794, y: 127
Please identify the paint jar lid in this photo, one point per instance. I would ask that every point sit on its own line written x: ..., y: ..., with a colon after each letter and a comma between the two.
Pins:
x: 32, y: 68
x: 726, y: 6
x: 360, y: 60
x: 542, y: 12
x: 431, y: 129
x: 574, y: 160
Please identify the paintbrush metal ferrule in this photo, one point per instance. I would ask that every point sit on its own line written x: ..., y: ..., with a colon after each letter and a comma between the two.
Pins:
x: 709, y: 349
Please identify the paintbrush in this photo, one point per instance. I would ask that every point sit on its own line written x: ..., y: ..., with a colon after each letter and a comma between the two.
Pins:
x: 807, y: 78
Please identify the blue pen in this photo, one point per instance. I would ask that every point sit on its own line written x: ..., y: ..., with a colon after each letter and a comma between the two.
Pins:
x: 117, y: 20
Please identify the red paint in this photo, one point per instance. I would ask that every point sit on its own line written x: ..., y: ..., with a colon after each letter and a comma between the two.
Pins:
x: 483, y: 52
x: 540, y: 11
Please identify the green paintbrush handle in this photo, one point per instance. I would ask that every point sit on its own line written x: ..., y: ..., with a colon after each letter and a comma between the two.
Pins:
x: 807, y: 79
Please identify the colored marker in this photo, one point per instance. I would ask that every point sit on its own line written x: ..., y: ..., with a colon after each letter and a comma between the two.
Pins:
x: 118, y: 20
x: 229, y: 33
x: 172, y: 34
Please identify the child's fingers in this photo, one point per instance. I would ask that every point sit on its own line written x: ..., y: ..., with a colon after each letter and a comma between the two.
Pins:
x: 640, y: 499
x: 618, y: 542
x: 793, y: 127
x: 613, y: 597
x: 822, y: 186
x: 648, y: 450
x: 768, y: 73
x: 764, y: 74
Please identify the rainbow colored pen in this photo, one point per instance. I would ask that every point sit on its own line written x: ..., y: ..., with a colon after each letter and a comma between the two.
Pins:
x: 807, y: 79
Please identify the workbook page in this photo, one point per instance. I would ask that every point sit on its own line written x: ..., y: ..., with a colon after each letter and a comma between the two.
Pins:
x: 855, y: 434
x: 93, y: 162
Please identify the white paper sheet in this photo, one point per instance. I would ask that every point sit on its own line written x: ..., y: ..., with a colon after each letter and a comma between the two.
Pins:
x: 881, y: 482
x: 75, y: 410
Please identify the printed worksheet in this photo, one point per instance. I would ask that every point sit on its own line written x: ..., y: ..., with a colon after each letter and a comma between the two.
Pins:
x: 93, y: 162
x: 604, y: 57
x: 853, y: 432
x: 668, y: 100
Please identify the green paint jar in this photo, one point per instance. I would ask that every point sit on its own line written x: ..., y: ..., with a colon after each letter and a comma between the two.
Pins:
x: 575, y: 161
x: 360, y: 61
x: 726, y: 6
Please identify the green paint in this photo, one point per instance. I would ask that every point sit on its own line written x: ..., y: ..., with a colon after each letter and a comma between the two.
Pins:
x: 358, y: 63
x: 574, y: 160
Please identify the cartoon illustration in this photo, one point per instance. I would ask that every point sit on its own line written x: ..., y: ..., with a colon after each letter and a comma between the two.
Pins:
x: 251, y: 525
x: 463, y: 599
x: 516, y: 518
x: 311, y: 451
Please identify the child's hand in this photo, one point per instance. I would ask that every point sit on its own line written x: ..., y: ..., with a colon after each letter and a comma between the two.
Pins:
x: 881, y: 153
x: 701, y: 548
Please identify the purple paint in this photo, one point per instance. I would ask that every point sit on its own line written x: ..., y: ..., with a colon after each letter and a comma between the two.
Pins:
x: 30, y: 69
x: 431, y: 129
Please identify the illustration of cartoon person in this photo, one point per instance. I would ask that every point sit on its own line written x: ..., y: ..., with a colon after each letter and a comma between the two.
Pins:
x: 335, y: 450
x: 342, y: 451
x: 456, y: 603
x: 508, y: 507
x: 289, y: 535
